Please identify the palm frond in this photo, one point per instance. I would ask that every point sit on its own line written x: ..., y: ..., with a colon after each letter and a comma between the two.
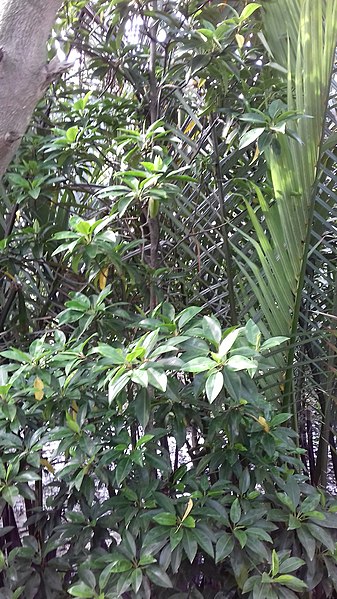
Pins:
x: 282, y: 223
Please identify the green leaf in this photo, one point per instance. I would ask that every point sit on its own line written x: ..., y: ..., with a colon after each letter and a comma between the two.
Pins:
x: 199, y: 365
x: 232, y: 383
x: 244, y: 481
x: 10, y: 440
x: 259, y: 533
x: 27, y: 476
x: 291, y: 564
x: 237, y: 363
x: 293, y: 583
x: 163, y: 349
x: 16, y: 355
x: 252, y: 333
x: 251, y: 136
x: 254, y: 118
x: 279, y: 419
x: 159, y: 577
x: 72, y: 424
x: 214, y: 385
x: 116, y: 385
x: 190, y: 545
x: 157, y: 378
x: 310, y: 503
x: 204, y: 541
x: 121, y: 565
x: 145, y: 560
x: 249, y: 584
x: 248, y: 10
x: 140, y: 377
x: 105, y: 575
x: 149, y: 341
x: 273, y: 342
x: 321, y: 535
x: 135, y: 354
x: 159, y: 462
x: 212, y: 329
x: 293, y: 490
x: 10, y: 494
x: 165, y: 519
x: 124, y: 467
x: 224, y: 547
x: 241, y: 536
x: 176, y: 537
x: 79, y: 302
x: 307, y: 541
x: 275, y: 563
x: 188, y: 522
x: 71, y: 134
x: 285, y: 500
x: 198, y: 62
x: 81, y: 590
x: 143, y: 440
x: 316, y: 515
x: 123, y: 583
x: 294, y: 523
x: 35, y: 192
x: 136, y: 580
x: 16, y: 179
x: 205, y: 34
x: 142, y: 406
x: 129, y: 545
x: 186, y: 315
x: 235, y: 511
x: 165, y: 502
x: 228, y: 342
x: 114, y: 355
x: 87, y: 577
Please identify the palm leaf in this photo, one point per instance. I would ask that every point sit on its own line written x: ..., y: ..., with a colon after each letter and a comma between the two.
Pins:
x: 305, y: 45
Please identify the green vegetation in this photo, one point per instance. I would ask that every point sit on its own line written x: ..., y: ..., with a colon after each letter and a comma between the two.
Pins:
x: 167, y: 340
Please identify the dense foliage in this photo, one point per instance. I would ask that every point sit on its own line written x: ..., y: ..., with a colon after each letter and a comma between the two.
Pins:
x: 168, y: 287
x: 162, y: 464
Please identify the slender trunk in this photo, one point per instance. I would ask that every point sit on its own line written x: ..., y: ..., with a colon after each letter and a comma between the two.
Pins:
x: 323, y: 447
x: 227, y: 250
x: 153, y: 219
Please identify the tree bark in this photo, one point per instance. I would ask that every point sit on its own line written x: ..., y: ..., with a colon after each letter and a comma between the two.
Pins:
x: 24, y: 72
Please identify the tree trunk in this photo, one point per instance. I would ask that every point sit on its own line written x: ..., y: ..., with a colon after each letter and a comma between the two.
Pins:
x: 24, y: 73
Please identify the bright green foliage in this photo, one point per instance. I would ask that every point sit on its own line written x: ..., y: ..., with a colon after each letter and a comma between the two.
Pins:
x: 166, y: 462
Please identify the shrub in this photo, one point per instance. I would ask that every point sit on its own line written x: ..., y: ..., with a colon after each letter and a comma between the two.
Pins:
x: 150, y: 464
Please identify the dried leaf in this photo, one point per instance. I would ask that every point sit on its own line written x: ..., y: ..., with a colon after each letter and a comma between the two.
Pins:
x: 38, y: 389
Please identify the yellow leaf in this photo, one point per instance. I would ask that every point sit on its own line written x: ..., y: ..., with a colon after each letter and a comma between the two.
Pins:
x: 74, y: 407
x: 189, y: 127
x: 8, y: 274
x: 103, y: 275
x: 46, y: 464
x: 264, y: 424
x: 240, y: 40
x: 188, y: 509
x: 256, y: 155
x: 38, y: 389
